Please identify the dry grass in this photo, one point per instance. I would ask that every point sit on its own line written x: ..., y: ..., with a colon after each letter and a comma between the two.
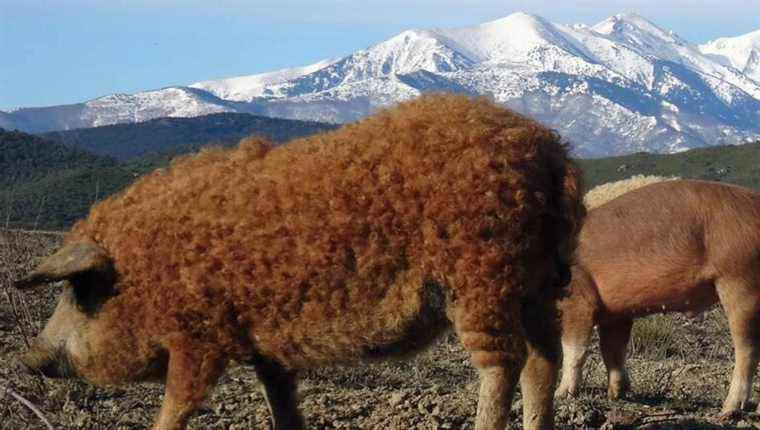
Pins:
x: 602, y: 194
x: 18, y: 252
x: 653, y: 338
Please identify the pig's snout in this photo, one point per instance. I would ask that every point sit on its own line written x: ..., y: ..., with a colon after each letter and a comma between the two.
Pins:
x: 41, y: 360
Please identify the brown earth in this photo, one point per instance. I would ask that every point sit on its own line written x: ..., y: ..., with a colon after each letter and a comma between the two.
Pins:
x: 679, y: 368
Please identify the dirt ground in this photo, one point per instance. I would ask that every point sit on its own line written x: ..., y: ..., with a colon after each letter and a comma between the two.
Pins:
x: 679, y: 371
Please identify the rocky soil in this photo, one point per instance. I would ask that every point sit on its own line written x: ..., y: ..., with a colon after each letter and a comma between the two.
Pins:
x: 679, y: 368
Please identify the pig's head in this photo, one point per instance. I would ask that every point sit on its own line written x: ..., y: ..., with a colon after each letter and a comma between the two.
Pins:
x: 78, y: 340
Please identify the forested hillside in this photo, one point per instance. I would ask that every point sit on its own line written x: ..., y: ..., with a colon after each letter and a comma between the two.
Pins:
x: 128, y: 141
x: 49, y: 185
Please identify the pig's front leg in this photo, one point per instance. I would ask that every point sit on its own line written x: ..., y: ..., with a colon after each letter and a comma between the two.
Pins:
x: 191, y: 372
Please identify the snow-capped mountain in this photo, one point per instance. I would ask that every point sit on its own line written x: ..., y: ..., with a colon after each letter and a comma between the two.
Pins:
x: 116, y: 109
x: 247, y: 88
x: 620, y: 86
x: 741, y: 53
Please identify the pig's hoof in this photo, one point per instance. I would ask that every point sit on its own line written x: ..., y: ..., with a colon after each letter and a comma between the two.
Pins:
x: 564, y: 393
x: 729, y: 416
x: 617, y: 391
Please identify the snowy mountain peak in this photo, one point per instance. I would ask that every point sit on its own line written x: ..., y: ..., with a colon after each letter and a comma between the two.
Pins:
x: 514, y: 39
x: 518, y: 20
x: 635, y: 29
x: 246, y: 88
x: 407, y: 52
x: 741, y: 52
x: 621, y: 86
x: 166, y: 102
x: 408, y: 36
x: 745, y: 41
x: 519, y: 28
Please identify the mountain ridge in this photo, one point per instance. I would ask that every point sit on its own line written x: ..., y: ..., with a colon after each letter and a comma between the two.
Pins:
x: 620, y: 86
x: 741, y: 52
x: 162, y: 135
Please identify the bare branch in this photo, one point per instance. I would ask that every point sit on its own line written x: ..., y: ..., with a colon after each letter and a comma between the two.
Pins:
x: 29, y: 405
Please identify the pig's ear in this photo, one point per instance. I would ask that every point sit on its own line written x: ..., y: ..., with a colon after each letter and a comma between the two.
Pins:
x: 75, y: 258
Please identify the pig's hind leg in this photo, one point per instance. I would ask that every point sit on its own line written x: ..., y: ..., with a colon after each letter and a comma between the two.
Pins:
x: 499, y: 355
x: 279, y: 388
x: 614, y: 337
x: 539, y: 375
x: 577, y: 311
x: 741, y: 302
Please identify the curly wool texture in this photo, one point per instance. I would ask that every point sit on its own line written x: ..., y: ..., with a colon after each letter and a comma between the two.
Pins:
x: 317, y: 251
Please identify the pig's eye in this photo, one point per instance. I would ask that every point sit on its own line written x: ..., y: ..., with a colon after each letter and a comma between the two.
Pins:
x: 91, y: 291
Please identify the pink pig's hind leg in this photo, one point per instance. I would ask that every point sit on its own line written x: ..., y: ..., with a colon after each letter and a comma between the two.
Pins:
x: 613, y: 337
x: 741, y: 302
x: 577, y: 310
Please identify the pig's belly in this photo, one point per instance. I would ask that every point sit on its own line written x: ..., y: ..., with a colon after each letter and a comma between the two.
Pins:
x: 399, y: 323
x: 637, y: 297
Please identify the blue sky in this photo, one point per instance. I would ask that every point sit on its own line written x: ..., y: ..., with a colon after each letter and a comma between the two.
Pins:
x: 67, y: 51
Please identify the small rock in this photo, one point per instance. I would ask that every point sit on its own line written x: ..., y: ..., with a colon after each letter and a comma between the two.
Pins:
x: 396, y: 398
x: 517, y: 406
